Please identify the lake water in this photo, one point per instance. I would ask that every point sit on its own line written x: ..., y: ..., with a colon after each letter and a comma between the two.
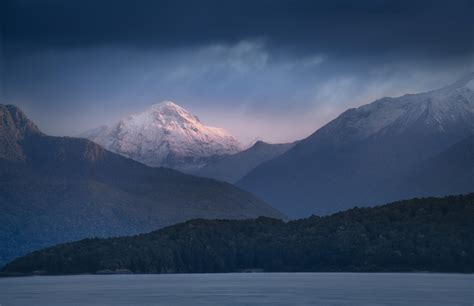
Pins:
x: 241, y: 289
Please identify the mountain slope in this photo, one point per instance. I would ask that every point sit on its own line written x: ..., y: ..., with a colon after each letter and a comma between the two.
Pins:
x: 358, y: 157
x: 14, y: 127
x: 165, y: 135
x: 56, y: 189
x: 233, y: 167
x: 430, y: 234
x: 449, y: 172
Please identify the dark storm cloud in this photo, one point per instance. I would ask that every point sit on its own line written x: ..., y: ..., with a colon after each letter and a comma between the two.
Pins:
x: 284, y: 68
x: 339, y: 27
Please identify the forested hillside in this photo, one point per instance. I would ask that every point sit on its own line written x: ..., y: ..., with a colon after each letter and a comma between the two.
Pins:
x: 430, y: 234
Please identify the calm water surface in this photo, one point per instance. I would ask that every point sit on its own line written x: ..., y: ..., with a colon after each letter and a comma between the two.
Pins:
x: 241, y: 289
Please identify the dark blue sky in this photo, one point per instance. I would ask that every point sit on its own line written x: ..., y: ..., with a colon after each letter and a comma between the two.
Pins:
x: 275, y: 70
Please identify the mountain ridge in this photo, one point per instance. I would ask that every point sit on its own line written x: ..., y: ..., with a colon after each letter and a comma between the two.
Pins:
x: 357, y: 156
x: 66, y: 188
x: 231, y: 168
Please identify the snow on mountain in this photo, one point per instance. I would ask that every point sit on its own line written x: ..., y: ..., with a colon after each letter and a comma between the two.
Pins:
x: 59, y: 189
x: 435, y: 111
x: 166, y: 135
x: 374, y: 154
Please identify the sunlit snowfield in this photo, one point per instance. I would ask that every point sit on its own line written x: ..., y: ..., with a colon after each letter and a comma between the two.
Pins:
x: 241, y: 289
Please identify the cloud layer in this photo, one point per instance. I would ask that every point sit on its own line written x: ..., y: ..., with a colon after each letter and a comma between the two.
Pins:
x: 274, y: 70
x: 342, y: 27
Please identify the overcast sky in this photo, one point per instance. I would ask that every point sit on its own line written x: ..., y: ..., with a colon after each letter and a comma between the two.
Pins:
x: 271, y: 70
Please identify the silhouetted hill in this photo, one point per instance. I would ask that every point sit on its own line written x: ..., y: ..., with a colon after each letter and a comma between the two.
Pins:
x: 233, y: 167
x: 429, y: 234
x: 57, y: 189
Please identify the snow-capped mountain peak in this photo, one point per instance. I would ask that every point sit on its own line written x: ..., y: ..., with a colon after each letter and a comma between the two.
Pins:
x: 172, y: 117
x: 169, y: 111
x: 167, y: 135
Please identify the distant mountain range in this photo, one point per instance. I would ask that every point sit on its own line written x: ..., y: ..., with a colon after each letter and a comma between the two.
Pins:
x: 430, y: 234
x: 57, y: 189
x: 166, y: 135
x: 393, y: 148
x: 233, y: 167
